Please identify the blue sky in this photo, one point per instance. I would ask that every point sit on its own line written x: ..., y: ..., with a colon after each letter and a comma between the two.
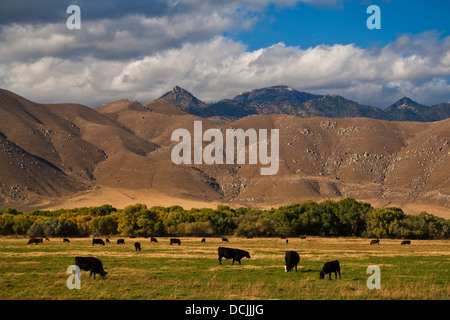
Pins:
x: 139, y: 50
x: 345, y: 23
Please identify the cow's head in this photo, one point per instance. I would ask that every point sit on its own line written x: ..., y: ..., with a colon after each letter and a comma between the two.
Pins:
x: 322, y: 274
x: 103, y: 274
x: 246, y: 254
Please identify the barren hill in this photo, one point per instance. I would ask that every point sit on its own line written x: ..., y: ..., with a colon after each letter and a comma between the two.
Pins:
x: 120, y: 153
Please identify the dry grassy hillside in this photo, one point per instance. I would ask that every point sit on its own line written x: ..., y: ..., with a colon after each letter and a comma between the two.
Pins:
x: 78, y: 155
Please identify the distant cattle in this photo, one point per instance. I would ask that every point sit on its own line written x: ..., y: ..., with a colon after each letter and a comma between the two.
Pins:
x: 153, y: 240
x: 35, y: 240
x: 98, y: 241
x: 203, y: 240
x: 120, y: 241
x: 302, y: 237
x: 66, y: 240
x: 375, y: 241
x: 224, y: 239
x: 137, y: 246
x: 329, y: 267
x: 230, y: 253
x: 406, y: 242
x: 292, y: 259
x: 177, y: 241
x: 91, y: 264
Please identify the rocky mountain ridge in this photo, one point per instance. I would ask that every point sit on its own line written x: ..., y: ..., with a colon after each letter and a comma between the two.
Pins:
x: 286, y: 100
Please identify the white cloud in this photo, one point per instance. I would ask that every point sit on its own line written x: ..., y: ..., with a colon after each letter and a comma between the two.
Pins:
x: 138, y: 56
x: 221, y: 68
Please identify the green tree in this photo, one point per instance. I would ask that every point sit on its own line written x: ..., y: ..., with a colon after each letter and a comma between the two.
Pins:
x: 6, y: 223
x: 22, y: 223
x: 104, y: 225
x: 385, y: 222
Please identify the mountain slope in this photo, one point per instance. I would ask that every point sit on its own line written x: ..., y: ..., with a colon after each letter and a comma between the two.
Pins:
x: 183, y: 98
x: 58, y: 154
x: 286, y: 100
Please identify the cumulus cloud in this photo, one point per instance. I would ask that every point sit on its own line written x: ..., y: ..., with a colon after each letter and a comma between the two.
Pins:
x: 140, y: 52
x: 221, y: 68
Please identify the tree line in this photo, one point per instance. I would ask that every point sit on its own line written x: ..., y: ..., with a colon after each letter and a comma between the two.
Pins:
x: 329, y: 218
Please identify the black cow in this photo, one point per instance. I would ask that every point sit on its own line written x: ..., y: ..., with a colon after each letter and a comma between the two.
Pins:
x: 172, y: 240
x: 406, y: 242
x: 292, y: 259
x: 98, y: 241
x: 329, y: 267
x: 120, y: 241
x: 153, y: 240
x: 224, y: 239
x: 137, y: 246
x: 203, y: 240
x: 35, y: 240
x: 66, y: 240
x: 107, y: 240
x: 91, y: 264
x: 230, y: 253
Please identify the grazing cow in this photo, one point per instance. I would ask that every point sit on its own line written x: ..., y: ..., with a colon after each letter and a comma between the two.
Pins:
x: 35, y: 240
x: 230, y: 253
x: 329, y: 267
x: 406, y: 242
x: 137, y: 246
x: 203, y: 240
x: 91, y: 264
x: 224, y: 239
x: 98, y: 241
x: 153, y: 240
x: 120, y: 241
x: 292, y: 259
x: 66, y: 240
x: 375, y: 241
x: 172, y: 240
x: 107, y: 240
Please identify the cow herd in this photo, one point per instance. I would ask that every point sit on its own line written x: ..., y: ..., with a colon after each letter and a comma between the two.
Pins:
x: 292, y: 258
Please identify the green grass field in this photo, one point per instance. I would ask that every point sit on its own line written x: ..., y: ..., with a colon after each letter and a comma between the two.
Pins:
x: 192, y: 270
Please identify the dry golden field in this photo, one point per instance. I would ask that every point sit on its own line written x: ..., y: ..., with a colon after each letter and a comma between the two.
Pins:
x: 191, y: 271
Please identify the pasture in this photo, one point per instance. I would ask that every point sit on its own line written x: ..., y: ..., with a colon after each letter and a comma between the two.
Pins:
x: 192, y: 271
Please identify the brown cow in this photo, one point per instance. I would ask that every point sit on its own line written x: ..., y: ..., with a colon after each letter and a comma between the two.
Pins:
x: 375, y: 241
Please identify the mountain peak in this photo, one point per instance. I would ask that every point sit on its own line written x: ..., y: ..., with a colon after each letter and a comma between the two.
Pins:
x: 406, y: 103
x: 183, y: 98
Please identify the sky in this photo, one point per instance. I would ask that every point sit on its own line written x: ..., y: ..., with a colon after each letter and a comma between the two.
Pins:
x: 139, y: 50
